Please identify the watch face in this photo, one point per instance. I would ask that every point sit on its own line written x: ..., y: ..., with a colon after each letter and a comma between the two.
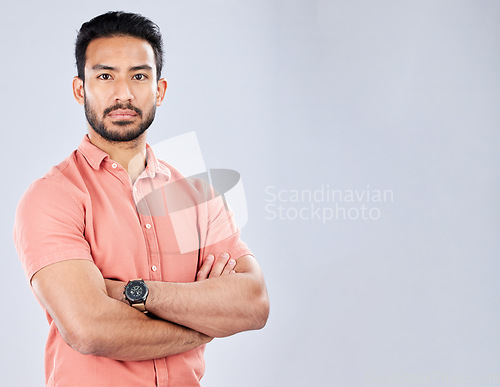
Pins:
x: 136, y: 291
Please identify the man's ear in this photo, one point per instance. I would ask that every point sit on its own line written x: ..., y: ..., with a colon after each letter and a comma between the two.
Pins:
x: 160, y: 91
x: 78, y: 91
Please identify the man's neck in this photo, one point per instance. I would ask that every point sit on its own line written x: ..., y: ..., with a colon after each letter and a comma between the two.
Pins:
x: 131, y: 155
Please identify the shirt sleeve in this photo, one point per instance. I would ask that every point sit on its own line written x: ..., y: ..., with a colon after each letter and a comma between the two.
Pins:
x: 222, y: 236
x: 49, y: 227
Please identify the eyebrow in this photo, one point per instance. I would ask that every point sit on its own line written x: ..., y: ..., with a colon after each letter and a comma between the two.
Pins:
x: 103, y: 67
x: 141, y: 67
x: 111, y: 68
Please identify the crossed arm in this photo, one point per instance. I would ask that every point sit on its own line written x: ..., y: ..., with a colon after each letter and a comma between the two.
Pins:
x: 91, y: 317
x: 219, y: 306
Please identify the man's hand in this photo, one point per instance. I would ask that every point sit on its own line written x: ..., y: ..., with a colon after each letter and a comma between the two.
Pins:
x: 115, y: 290
x: 215, y: 267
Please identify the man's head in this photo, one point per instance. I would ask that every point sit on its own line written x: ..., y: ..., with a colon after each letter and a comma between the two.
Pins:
x: 117, y: 23
x: 119, y: 57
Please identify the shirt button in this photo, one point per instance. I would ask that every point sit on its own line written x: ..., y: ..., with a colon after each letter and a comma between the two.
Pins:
x: 154, y: 268
x: 148, y: 226
x: 114, y: 165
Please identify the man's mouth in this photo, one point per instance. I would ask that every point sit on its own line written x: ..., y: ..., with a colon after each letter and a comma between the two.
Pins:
x: 122, y: 114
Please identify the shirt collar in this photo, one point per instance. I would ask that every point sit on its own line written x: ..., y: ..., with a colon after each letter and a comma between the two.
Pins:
x: 92, y: 154
x: 154, y: 166
x: 95, y: 156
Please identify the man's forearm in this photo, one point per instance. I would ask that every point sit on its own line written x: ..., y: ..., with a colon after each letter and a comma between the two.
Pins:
x: 123, y: 333
x: 217, y: 307
x: 74, y: 294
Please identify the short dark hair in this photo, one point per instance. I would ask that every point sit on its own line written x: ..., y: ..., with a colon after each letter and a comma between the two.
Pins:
x: 118, y: 23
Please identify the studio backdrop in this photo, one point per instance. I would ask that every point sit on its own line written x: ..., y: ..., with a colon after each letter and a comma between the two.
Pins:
x: 365, y: 135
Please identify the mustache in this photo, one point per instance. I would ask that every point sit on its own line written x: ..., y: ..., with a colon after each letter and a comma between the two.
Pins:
x: 121, y: 106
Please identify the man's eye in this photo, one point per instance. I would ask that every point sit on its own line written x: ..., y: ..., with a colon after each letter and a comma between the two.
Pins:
x: 104, y: 77
x: 140, y: 77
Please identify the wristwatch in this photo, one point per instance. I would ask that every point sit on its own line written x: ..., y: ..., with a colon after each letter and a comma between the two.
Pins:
x: 136, y: 292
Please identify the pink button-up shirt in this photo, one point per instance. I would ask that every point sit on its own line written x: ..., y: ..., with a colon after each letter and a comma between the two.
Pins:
x: 160, y: 228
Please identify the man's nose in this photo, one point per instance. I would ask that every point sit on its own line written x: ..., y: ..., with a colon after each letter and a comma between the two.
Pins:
x: 123, y: 91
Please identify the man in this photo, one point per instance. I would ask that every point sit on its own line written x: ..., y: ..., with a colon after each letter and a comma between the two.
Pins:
x: 112, y: 232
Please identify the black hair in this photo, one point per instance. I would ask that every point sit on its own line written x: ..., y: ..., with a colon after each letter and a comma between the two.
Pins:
x: 118, y: 23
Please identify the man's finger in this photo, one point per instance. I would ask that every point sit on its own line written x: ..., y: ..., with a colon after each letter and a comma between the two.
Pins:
x: 229, y: 268
x: 205, y: 268
x: 219, y: 265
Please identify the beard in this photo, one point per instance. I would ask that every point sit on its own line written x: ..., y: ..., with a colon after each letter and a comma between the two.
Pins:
x: 129, y: 133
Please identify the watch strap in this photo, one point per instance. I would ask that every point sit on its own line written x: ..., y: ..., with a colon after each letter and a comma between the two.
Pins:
x: 140, y: 306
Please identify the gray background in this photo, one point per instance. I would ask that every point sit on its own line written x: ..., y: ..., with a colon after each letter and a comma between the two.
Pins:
x: 395, y: 95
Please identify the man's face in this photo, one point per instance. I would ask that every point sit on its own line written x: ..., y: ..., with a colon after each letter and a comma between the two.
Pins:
x: 120, y: 88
